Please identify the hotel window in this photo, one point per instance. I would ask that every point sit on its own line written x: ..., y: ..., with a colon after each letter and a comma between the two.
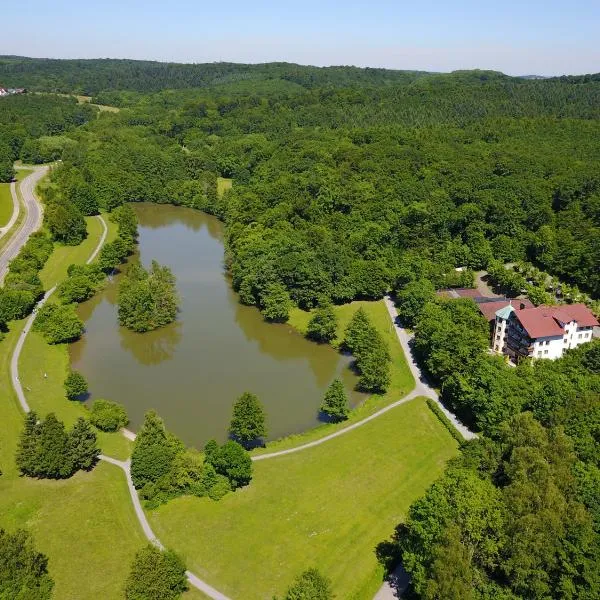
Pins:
x: 580, y: 336
x: 539, y: 352
x: 545, y: 351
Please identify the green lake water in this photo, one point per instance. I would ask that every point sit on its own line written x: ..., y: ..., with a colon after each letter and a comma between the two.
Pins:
x: 191, y: 371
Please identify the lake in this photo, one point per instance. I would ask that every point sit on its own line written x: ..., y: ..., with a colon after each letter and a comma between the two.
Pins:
x: 192, y: 371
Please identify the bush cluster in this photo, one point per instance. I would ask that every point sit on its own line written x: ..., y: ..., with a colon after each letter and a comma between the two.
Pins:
x: 163, y: 468
x: 82, y: 282
x: 108, y: 416
x: 47, y: 450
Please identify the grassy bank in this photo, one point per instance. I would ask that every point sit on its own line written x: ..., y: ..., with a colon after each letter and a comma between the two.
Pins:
x: 6, y: 204
x: 327, y: 506
x: 402, y: 380
x: 85, y: 525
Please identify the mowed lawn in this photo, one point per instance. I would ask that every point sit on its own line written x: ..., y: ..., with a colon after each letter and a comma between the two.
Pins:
x: 327, y: 506
x: 86, y: 524
x: 6, y: 204
x: 402, y: 381
x: 223, y: 184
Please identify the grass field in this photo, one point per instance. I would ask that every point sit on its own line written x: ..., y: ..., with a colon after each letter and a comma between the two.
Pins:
x: 327, y: 506
x: 223, y: 184
x: 86, y: 524
x: 6, y: 204
x: 402, y: 380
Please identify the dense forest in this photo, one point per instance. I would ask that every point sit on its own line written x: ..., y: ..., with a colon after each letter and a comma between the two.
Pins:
x: 351, y: 183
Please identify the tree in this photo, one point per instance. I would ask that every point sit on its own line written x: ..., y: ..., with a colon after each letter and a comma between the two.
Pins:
x: 335, y: 402
x: 83, y: 446
x: 411, y: 299
x: 53, y: 459
x: 322, y: 326
x: 153, y: 452
x: 75, y: 385
x: 232, y: 461
x: 276, y: 303
x: 310, y: 585
x: 58, y: 323
x: 374, y: 367
x: 147, y: 299
x: 248, y: 420
x: 358, y: 333
x: 65, y: 222
x: 28, y: 444
x: 108, y: 416
x: 23, y: 570
x: 156, y: 575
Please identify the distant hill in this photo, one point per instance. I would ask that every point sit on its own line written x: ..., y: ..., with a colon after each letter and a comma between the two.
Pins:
x: 533, y: 77
x: 91, y: 76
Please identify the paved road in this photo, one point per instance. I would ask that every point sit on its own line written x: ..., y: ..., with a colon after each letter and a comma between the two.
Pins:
x: 32, y: 222
x: 16, y: 210
x: 398, y: 580
x: 14, y: 361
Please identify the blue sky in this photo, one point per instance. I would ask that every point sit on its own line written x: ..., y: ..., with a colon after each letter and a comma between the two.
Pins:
x: 517, y: 37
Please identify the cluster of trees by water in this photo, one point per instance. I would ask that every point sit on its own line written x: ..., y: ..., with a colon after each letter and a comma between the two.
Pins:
x: 517, y: 514
x: 348, y: 184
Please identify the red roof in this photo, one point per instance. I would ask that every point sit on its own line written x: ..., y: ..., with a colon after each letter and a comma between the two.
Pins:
x: 488, y: 309
x: 543, y: 321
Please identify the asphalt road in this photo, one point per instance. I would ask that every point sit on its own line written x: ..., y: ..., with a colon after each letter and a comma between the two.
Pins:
x: 32, y: 222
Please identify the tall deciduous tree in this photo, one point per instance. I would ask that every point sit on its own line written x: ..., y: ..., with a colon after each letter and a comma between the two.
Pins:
x: 310, y: 585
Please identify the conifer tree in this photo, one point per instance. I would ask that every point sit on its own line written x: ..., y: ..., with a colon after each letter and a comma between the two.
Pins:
x: 358, y: 333
x: 335, y: 402
x: 27, y: 450
x: 53, y: 456
x: 153, y: 452
x: 248, y: 421
x: 83, y: 445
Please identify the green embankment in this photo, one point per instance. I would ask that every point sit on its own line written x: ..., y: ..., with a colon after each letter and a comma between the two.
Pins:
x: 6, y: 204
x: 85, y: 525
x: 402, y: 381
x: 327, y: 506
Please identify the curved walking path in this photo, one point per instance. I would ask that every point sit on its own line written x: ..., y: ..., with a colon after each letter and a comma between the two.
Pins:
x: 194, y: 580
x: 124, y: 465
x: 16, y: 210
x: 31, y: 223
x: 14, y: 361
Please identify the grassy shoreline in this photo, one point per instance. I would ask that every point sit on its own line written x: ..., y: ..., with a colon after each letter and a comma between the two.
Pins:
x: 86, y: 525
x: 401, y: 384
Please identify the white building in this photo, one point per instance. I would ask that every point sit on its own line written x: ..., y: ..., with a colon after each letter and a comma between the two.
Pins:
x: 543, y: 331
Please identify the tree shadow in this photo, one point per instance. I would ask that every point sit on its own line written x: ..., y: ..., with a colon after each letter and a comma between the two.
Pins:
x: 389, y: 555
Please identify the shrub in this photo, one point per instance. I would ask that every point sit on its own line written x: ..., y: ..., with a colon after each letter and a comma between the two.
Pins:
x: 322, y: 326
x: 310, y: 585
x: 232, y: 461
x: 75, y: 385
x: 156, y: 575
x: 220, y: 488
x: 108, y: 416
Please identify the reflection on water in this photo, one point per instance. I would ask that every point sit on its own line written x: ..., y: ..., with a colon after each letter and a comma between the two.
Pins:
x: 192, y: 370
